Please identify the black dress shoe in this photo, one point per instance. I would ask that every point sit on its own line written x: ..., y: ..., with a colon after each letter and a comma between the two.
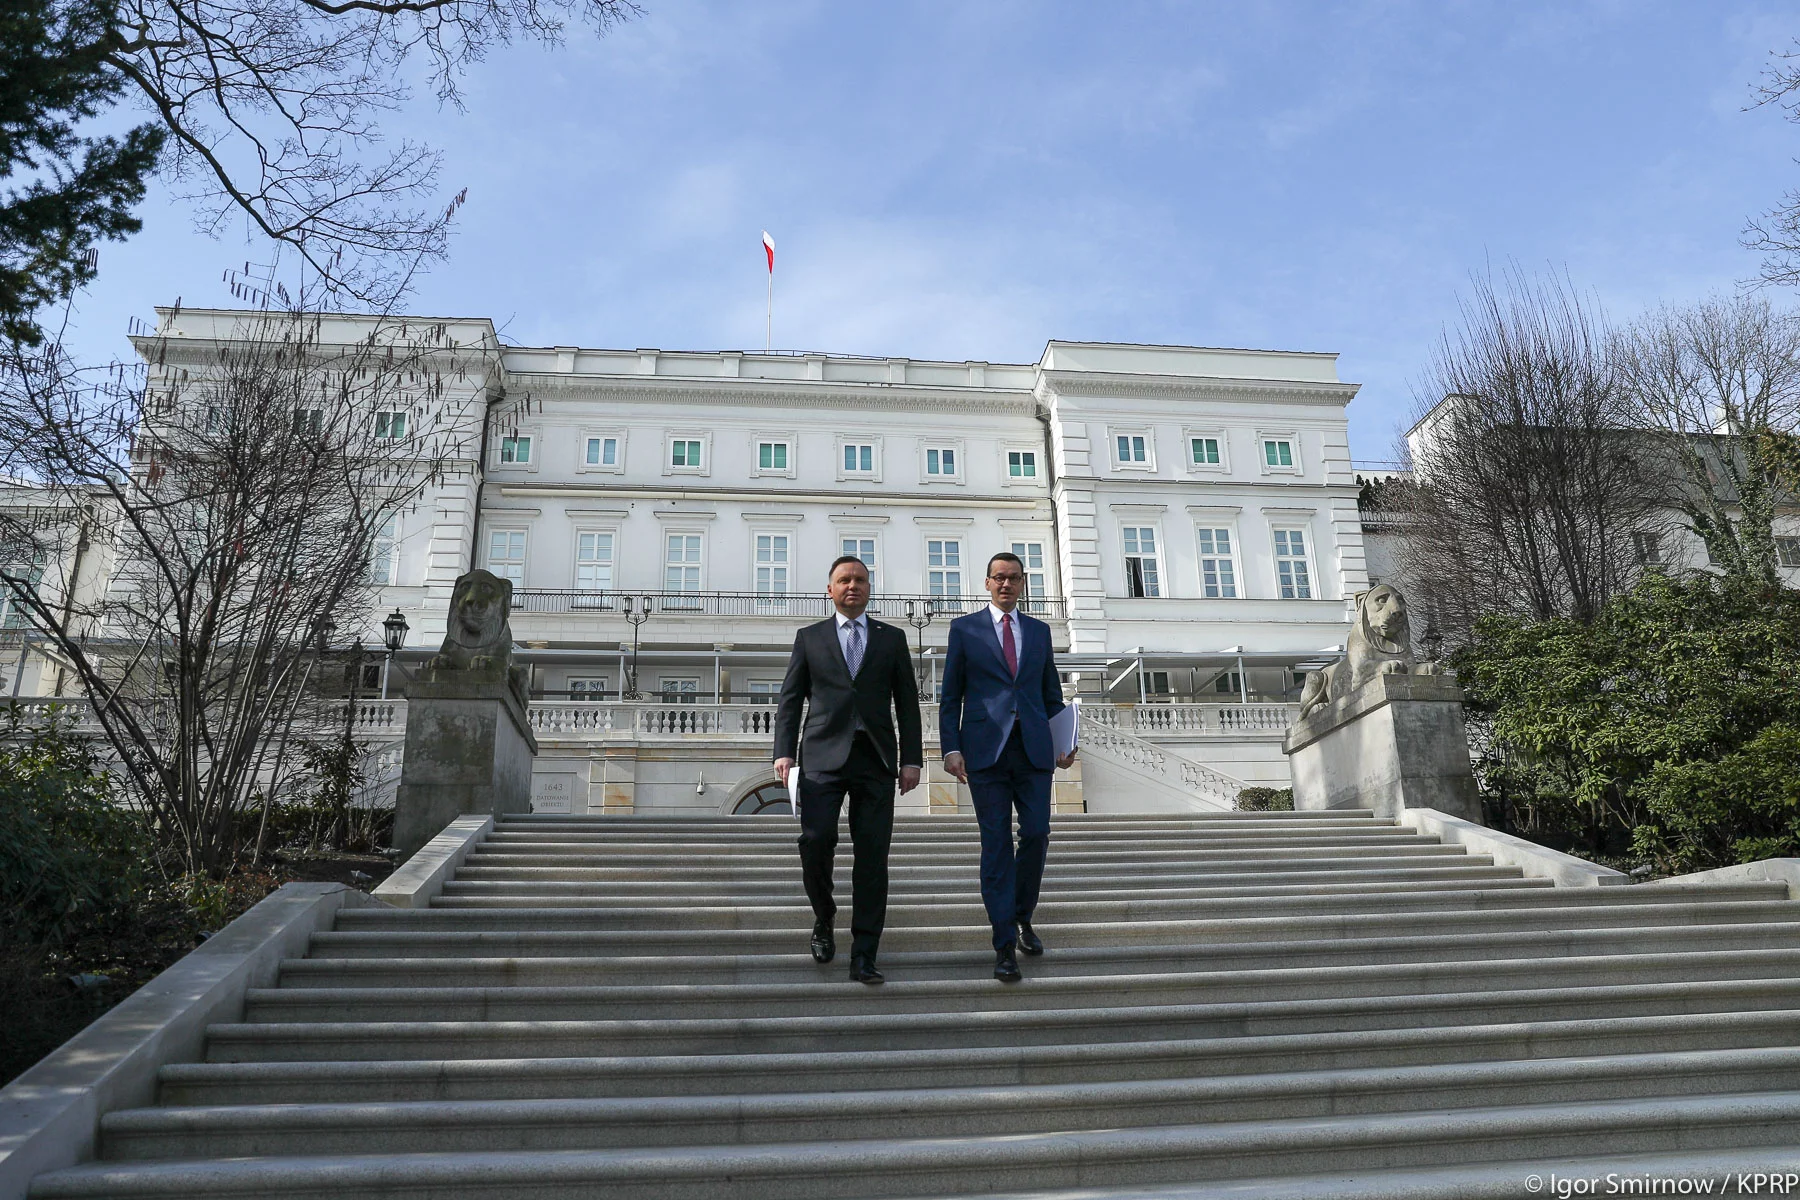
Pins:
x: 1028, y: 941
x: 824, y: 946
x: 862, y: 969
x: 1006, y: 967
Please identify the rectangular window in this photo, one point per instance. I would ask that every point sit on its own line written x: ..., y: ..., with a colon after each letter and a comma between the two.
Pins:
x: 943, y: 567
x: 309, y: 422
x: 859, y: 458
x: 681, y: 563
x: 1021, y: 464
x: 215, y: 418
x: 603, y: 452
x: 1156, y: 683
x: 1787, y: 551
x: 937, y: 461
x: 1131, y: 448
x: 764, y: 691
x: 1142, y: 578
x: 685, y: 453
x: 1230, y: 683
x: 863, y: 548
x: 381, y: 552
x: 772, y: 456
x: 1036, y: 589
x: 679, y: 691
x: 593, y: 566
x: 1218, y: 573
x: 506, y: 554
x: 390, y: 426
x: 1205, y: 451
x: 588, y: 688
x: 771, y: 570
x: 515, y: 450
x: 20, y: 577
x: 1278, y: 452
x: 1648, y: 547
x: 1293, y: 578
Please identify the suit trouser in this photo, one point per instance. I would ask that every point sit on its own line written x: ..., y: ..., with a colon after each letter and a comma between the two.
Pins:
x: 869, y: 784
x: 1009, y: 881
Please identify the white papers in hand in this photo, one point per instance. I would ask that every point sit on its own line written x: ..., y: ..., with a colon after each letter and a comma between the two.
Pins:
x: 1063, y: 729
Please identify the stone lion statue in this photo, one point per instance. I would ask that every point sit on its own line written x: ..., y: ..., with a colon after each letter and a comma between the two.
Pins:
x: 478, y: 638
x: 1380, y: 644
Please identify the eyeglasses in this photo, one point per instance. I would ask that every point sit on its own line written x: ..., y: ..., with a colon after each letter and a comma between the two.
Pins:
x: 1004, y: 580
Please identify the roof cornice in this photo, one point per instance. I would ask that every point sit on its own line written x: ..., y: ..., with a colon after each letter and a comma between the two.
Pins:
x: 1108, y: 385
x: 784, y: 392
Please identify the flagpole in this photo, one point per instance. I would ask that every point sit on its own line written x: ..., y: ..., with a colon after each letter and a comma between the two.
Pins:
x: 769, y: 317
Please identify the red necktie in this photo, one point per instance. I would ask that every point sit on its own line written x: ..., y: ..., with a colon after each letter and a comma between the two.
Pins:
x: 1006, y: 643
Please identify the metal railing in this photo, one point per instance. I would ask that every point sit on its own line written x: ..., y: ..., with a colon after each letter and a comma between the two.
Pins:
x: 1209, y: 720
x: 789, y: 606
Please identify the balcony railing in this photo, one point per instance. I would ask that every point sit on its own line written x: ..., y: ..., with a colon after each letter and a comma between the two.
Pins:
x: 792, y: 606
x: 1174, y: 720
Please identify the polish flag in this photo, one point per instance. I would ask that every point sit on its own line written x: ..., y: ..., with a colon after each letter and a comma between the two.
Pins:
x: 769, y: 247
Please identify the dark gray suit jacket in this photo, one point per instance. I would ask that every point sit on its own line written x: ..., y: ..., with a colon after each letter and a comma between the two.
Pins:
x: 838, y: 706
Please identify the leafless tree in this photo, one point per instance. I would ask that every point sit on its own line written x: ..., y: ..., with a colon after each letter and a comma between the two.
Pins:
x: 246, y: 505
x: 1717, y: 385
x: 1526, y: 489
x: 1776, y: 233
x: 273, y: 109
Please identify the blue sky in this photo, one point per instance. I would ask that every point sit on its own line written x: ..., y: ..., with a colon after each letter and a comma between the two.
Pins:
x: 966, y: 181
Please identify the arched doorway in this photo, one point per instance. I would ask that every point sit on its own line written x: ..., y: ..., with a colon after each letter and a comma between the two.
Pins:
x: 766, y: 799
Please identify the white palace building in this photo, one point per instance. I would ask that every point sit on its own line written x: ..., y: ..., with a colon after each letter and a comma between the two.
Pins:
x: 1187, y: 515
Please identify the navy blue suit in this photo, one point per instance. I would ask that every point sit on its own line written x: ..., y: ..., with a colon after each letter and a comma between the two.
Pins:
x: 1000, y: 723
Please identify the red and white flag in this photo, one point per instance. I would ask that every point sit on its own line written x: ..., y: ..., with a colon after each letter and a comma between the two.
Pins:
x: 769, y: 247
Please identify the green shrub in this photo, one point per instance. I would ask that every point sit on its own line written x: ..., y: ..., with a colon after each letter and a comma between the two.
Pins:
x: 1266, y: 799
x: 1668, y: 727
x: 71, y: 856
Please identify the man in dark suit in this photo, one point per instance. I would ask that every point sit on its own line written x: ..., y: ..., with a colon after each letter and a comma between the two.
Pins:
x: 1000, y: 691
x: 848, y: 670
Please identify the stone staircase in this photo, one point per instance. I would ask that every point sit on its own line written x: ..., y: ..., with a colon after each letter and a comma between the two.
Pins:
x: 1243, y: 1004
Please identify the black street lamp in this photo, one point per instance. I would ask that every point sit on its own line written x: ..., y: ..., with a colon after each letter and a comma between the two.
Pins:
x: 919, y: 615
x: 393, y: 632
x: 637, y: 611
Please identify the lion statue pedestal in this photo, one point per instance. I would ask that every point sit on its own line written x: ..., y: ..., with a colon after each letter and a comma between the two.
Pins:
x: 469, y: 743
x: 1379, y: 730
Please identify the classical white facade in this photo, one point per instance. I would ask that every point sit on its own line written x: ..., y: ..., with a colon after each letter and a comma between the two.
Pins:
x: 1187, y: 515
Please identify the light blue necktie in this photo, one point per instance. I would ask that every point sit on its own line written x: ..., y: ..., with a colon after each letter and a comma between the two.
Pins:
x: 855, y: 652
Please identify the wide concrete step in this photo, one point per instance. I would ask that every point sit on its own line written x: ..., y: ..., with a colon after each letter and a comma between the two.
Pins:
x: 968, y: 855
x: 826, y: 996
x: 858, y: 1033
x: 927, y: 1112
x: 593, y: 934
x: 396, y: 971
x: 599, y: 846
x: 1370, y: 897
x: 985, y: 1065
x: 1749, y: 1171
x: 514, y: 1078
x: 950, y: 889
x: 699, y: 877
x: 697, y: 823
x: 1147, y: 924
x: 1062, y: 829
x: 1104, y: 1158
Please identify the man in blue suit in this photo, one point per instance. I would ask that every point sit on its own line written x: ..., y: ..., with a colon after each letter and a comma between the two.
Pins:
x: 1000, y: 691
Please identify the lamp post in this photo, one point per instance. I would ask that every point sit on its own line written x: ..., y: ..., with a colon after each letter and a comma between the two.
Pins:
x: 919, y: 615
x: 637, y: 611
x: 393, y: 632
